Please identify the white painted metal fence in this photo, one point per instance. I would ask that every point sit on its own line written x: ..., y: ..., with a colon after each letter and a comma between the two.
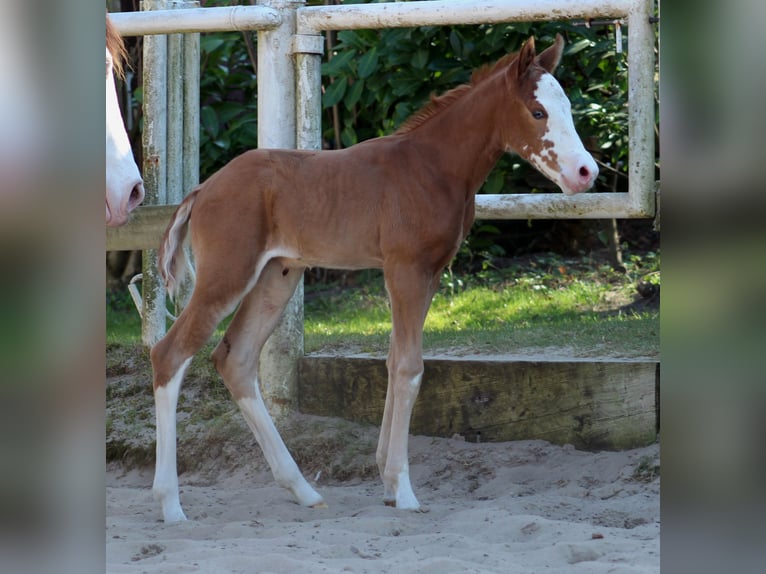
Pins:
x: 289, y: 114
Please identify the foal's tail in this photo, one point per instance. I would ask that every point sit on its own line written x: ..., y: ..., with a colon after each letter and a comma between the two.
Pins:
x: 173, y: 261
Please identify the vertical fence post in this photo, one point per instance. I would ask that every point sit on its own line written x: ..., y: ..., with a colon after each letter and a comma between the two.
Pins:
x: 183, y: 122
x: 190, y: 147
x: 641, y: 103
x: 276, y: 129
x: 171, y: 143
x: 175, y: 106
x: 154, y: 141
x: 308, y: 49
x: 191, y: 74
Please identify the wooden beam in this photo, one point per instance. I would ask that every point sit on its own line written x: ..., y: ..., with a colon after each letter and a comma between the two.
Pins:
x: 593, y: 405
x: 143, y: 230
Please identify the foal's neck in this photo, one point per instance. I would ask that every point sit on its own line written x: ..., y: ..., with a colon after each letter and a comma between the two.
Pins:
x: 464, y: 139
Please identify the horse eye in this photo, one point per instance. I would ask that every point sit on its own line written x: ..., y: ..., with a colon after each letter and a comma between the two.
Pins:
x: 538, y: 114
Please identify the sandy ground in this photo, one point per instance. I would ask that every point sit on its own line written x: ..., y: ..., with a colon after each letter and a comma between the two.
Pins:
x: 517, y: 507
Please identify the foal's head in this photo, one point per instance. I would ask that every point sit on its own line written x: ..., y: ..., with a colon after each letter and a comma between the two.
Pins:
x: 538, y: 125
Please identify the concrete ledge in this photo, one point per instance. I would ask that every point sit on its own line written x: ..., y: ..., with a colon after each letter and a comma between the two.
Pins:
x: 594, y: 405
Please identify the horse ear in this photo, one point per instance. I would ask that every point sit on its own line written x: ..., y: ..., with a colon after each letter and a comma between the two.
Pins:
x: 526, y: 56
x: 550, y: 57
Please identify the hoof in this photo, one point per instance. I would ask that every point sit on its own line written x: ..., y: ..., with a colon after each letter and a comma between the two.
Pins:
x: 171, y: 510
x: 173, y: 517
x: 320, y: 505
x: 392, y: 504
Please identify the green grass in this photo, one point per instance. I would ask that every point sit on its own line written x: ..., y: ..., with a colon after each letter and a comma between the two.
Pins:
x: 578, y: 306
x: 123, y: 325
x: 581, y: 307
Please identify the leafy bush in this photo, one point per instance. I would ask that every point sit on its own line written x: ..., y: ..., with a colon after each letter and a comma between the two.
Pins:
x: 228, y: 106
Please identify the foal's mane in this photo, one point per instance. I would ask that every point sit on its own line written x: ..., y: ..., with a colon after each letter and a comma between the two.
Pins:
x: 439, y: 103
x: 116, y: 48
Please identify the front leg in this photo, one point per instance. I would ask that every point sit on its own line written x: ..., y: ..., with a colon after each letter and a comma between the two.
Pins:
x: 410, y: 290
x: 381, y: 455
x: 405, y: 382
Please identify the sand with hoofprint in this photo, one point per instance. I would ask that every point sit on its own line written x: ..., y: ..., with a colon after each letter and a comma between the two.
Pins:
x: 516, y: 507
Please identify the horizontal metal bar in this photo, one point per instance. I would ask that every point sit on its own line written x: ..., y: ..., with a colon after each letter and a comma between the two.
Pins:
x: 314, y: 19
x: 558, y: 206
x: 218, y: 19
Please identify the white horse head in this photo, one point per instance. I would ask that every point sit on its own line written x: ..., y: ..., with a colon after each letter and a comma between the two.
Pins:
x: 124, y: 186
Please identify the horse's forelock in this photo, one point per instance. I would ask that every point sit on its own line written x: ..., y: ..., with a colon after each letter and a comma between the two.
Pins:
x: 116, y: 48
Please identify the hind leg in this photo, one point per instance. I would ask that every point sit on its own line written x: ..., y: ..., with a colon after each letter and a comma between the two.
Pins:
x: 170, y: 358
x: 237, y: 356
x: 165, y: 485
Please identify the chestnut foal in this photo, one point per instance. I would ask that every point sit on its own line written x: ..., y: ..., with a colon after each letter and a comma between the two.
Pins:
x: 403, y: 203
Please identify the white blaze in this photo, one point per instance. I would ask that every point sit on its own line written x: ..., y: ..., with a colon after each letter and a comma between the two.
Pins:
x: 564, y: 149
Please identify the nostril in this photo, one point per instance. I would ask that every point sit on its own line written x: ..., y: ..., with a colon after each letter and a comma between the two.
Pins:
x: 584, y: 172
x: 136, y: 195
